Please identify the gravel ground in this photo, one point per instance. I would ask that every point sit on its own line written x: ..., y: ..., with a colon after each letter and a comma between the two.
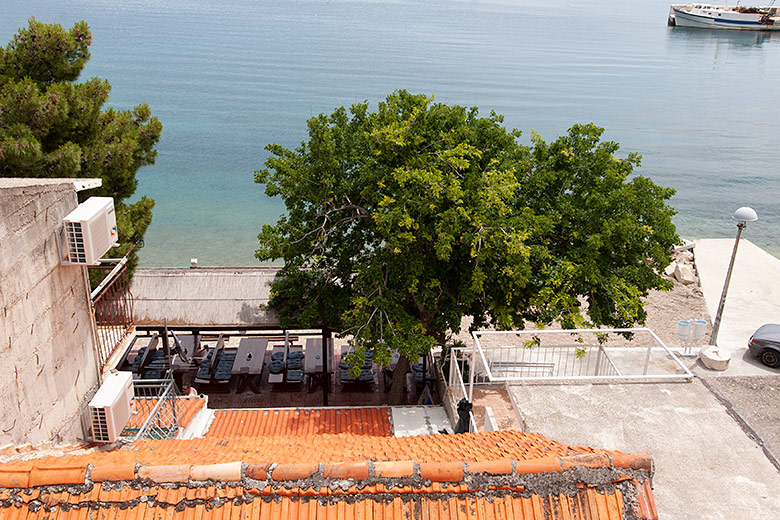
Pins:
x: 757, y: 401
x: 666, y: 308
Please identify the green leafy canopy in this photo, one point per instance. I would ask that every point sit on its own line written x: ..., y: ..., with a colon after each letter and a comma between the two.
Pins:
x: 51, y: 126
x: 403, y: 220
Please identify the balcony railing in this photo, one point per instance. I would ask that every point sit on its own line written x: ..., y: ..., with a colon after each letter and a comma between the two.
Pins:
x: 112, y: 305
x: 157, y: 413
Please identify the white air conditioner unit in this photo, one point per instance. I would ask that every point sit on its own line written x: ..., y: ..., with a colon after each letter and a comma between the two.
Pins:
x: 90, y: 231
x: 110, y: 409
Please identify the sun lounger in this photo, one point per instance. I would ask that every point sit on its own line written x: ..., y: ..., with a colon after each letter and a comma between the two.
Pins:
x: 150, y: 362
x: 209, y: 363
x: 144, y: 354
x: 294, y: 364
x: 366, y: 374
x: 185, y: 348
x: 224, y: 369
x: 276, y: 366
x: 156, y: 367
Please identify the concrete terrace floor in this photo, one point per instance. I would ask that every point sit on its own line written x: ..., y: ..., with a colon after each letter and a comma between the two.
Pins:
x: 705, y: 464
x: 714, y: 441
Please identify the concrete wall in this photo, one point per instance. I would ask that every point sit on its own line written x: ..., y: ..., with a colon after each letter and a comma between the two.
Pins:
x: 47, y: 361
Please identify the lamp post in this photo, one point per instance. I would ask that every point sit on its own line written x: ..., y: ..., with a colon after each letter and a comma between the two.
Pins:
x: 742, y: 216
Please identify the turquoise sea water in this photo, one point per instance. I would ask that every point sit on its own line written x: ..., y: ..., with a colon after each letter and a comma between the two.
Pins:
x: 226, y: 78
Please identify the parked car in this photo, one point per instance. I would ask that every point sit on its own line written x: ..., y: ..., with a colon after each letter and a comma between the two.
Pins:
x: 765, y: 344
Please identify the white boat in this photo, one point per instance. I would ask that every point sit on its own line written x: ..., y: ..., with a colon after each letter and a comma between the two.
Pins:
x: 724, y: 17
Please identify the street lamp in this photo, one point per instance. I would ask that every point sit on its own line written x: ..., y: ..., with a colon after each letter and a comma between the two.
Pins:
x: 742, y: 216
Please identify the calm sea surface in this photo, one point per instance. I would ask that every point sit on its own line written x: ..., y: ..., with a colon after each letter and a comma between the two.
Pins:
x: 226, y: 78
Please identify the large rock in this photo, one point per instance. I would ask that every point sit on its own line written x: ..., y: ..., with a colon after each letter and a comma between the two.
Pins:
x: 715, y: 358
x: 684, y: 274
x: 685, y: 257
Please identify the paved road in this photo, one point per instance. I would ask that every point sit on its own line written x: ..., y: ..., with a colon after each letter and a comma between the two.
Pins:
x: 756, y: 402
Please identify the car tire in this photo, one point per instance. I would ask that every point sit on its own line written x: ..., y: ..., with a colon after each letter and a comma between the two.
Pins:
x: 770, y: 358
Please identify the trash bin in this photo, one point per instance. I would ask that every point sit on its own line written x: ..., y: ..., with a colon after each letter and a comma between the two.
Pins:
x: 683, y: 329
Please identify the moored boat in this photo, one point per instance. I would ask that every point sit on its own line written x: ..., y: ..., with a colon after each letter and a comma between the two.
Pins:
x: 708, y: 16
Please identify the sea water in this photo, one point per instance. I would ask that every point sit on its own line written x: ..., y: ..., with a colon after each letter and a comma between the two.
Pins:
x: 228, y: 77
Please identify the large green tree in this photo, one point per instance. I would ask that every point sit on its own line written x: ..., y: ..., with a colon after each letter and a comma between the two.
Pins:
x: 52, y: 126
x: 402, y: 221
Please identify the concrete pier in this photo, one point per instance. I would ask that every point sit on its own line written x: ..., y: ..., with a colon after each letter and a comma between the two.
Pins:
x: 753, y: 297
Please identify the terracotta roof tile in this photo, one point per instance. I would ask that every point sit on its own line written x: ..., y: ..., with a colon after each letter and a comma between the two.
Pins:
x: 645, y: 506
x: 442, y: 471
x: 301, y: 422
x: 494, y: 467
x: 347, y: 470
x: 395, y: 469
x: 63, y: 473
x: 623, y: 460
x: 294, y: 471
x: 346, y: 476
x: 161, y: 474
x: 258, y: 471
x: 113, y: 472
x: 225, y: 472
x: 15, y: 475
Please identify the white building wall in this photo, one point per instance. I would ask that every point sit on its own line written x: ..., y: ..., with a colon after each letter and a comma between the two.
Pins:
x: 47, y: 361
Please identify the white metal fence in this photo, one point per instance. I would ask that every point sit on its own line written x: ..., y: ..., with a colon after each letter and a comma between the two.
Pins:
x: 576, y: 355
x: 573, y: 355
x: 457, y: 386
x: 508, y: 362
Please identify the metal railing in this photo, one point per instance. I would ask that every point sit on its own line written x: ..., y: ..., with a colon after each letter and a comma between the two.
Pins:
x: 457, y: 386
x: 542, y: 358
x: 157, y: 412
x: 510, y: 362
x: 112, y: 305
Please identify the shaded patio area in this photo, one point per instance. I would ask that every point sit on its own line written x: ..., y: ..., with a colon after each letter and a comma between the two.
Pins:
x: 271, y: 369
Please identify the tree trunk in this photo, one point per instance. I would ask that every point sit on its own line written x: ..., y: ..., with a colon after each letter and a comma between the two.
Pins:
x: 399, y: 381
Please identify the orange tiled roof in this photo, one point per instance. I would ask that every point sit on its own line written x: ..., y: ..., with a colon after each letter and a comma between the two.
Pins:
x: 467, y: 447
x: 505, y: 474
x: 186, y: 406
x: 301, y: 422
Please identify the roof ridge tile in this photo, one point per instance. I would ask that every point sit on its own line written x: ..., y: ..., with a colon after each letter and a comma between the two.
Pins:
x: 112, y: 472
x: 320, y: 476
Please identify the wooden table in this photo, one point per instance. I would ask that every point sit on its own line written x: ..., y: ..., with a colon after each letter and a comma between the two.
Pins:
x: 312, y: 362
x: 249, y: 362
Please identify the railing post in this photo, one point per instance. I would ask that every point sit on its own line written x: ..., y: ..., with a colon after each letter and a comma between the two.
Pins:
x: 472, y: 369
x: 647, y: 357
x: 451, y: 376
